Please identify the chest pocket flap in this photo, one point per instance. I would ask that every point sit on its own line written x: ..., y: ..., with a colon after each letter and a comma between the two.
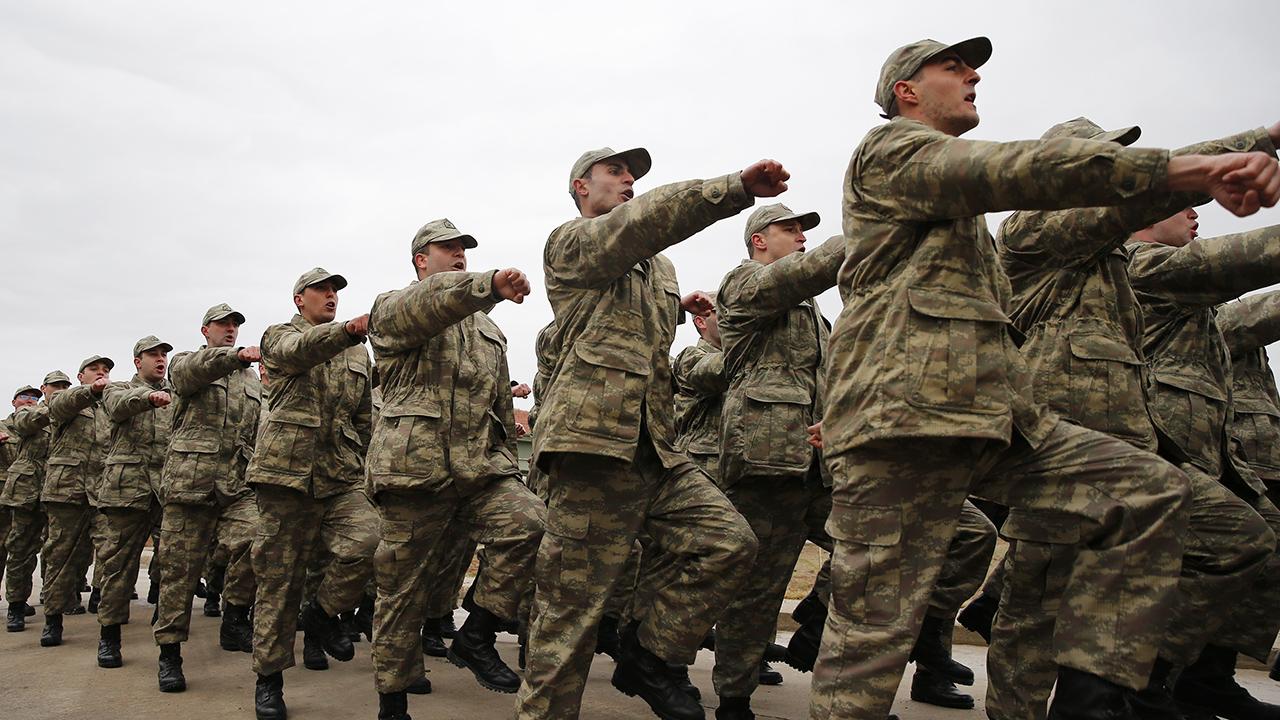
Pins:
x: 613, y: 356
x: 1096, y: 346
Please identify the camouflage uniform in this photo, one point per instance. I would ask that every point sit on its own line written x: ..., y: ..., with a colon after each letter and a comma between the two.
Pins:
x: 546, y: 355
x: 1248, y: 327
x: 8, y: 453
x: 444, y: 455
x: 21, y: 496
x: 926, y: 383
x: 139, y: 434
x: 79, y: 440
x: 308, y: 474
x: 206, y: 501
x: 1073, y: 300
x: 1191, y: 404
x: 700, y: 386
x: 605, y: 435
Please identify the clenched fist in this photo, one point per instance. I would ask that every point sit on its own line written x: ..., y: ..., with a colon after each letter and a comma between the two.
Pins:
x: 697, y: 303
x: 97, y: 386
x: 766, y: 178
x: 511, y: 284
x: 159, y: 398
x: 358, y: 327
x: 250, y: 354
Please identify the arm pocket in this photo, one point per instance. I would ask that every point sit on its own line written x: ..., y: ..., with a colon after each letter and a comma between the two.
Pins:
x: 866, y: 573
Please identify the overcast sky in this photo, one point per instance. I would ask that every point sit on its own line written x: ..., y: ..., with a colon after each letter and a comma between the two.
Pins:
x: 158, y: 158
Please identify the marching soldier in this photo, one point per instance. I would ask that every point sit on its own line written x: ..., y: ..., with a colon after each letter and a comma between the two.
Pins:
x: 21, y: 496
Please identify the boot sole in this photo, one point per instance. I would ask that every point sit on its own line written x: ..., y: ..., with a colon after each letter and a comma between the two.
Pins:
x: 174, y: 687
x: 966, y: 681
x: 14, y: 628
x: 940, y: 703
x: 794, y: 666
x: 435, y: 653
x: 47, y: 642
x: 632, y: 693
x: 315, y: 667
x: 109, y: 664
x: 453, y: 658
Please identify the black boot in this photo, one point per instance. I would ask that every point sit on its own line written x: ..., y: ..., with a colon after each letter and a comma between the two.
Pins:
x: 1209, y: 686
x: 171, y: 678
x: 95, y: 597
x: 109, y: 647
x: 28, y: 611
x: 641, y: 673
x: 1083, y: 696
x: 773, y: 652
x: 979, y: 615
x: 347, y: 626
x: 1155, y: 701
x: 77, y: 608
x: 607, y: 637
x: 931, y: 652
x: 17, y: 620
x: 313, y: 657
x: 432, y: 643
x: 51, y: 636
x: 735, y: 709
x: 1275, y: 669
x: 473, y: 648
x: 212, y: 604
x: 393, y: 706
x: 153, y: 593
x: 709, y: 641
x: 364, y: 617
x: 328, y: 631
x: 680, y: 676
x: 769, y: 676
x: 802, y: 650
x: 932, y: 689
x: 235, y: 633
x: 448, y: 630
x: 421, y: 686
x: 268, y: 697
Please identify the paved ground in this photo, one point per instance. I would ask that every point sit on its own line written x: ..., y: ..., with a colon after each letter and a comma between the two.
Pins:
x: 64, y: 683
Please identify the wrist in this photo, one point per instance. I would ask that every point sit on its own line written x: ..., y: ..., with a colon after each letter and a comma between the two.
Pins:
x: 1188, y: 173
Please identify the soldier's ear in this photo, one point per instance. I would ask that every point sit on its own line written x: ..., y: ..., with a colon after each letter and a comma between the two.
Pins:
x: 905, y: 92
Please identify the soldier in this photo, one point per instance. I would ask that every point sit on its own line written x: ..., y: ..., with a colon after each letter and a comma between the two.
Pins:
x: 206, y: 500
x: 925, y: 383
x: 140, y: 419
x: 10, y: 441
x: 21, y: 495
x: 700, y: 386
x: 308, y: 474
x: 1073, y: 300
x: 1178, y: 281
x: 80, y: 432
x: 605, y: 438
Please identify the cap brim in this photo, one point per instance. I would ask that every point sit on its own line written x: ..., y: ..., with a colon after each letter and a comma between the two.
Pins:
x: 233, y: 314
x: 163, y: 345
x: 338, y: 281
x: 975, y: 51
x: 1123, y: 136
x: 637, y: 160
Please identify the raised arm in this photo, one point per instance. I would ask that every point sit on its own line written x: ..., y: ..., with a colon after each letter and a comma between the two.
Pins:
x: 405, y: 319
x: 1208, y: 271
x: 122, y: 401
x: 1251, y: 323
x: 593, y: 252
x: 753, y: 295
x: 68, y: 403
x: 28, y: 421
x: 192, y: 372
x: 286, y: 351
x: 700, y: 372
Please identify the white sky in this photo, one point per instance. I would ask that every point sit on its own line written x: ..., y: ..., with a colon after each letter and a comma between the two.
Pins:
x: 158, y: 158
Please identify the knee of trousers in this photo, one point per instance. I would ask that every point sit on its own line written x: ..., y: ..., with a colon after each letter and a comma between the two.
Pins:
x: 362, y: 547
x: 1164, y: 498
x: 739, y: 544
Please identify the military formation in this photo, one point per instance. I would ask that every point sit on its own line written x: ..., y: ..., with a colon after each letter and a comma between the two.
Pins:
x: 1090, y: 384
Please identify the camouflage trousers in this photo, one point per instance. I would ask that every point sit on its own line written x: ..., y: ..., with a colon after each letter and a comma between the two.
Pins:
x: 895, y: 506
x: 186, y: 532
x: 1227, y: 545
x: 780, y: 512
x: 98, y: 534
x: 599, y: 506
x: 444, y: 587
x: 22, y: 546
x: 5, y: 520
x: 124, y: 534
x: 288, y: 525
x: 64, y: 560
x: 965, y: 567
x: 504, y: 515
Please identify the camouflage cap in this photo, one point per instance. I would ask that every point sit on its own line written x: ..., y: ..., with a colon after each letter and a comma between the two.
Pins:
x: 637, y: 160
x: 221, y: 311
x: 1083, y: 127
x: 96, y: 359
x: 150, y: 342
x: 318, y: 275
x: 28, y: 390
x: 438, y: 231
x: 57, y: 376
x: 908, y: 59
x: 767, y: 215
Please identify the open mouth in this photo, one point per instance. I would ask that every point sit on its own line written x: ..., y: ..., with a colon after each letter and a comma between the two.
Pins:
x: 971, y: 98
x: 459, y: 265
x: 628, y: 194
x: 330, y: 306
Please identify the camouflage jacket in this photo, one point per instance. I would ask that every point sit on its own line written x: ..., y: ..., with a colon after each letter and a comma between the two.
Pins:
x: 215, y: 423
x: 447, y: 416
x: 1190, y: 388
x: 320, y: 412
x: 26, y: 474
x: 923, y: 347
x: 617, y: 302
x: 1248, y: 327
x: 1073, y: 301
x: 700, y: 386
x: 545, y: 352
x: 8, y: 448
x: 136, y: 449
x: 775, y: 344
x: 77, y: 446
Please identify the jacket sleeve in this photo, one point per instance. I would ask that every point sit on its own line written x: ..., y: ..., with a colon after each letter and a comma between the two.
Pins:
x: 922, y: 175
x: 1251, y: 323
x: 700, y: 372
x: 122, y: 401
x: 192, y: 372
x: 362, y: 419
x: 1208, y: 271
x: 762, y: 293
x: 287, y: 351
x: 593, y: 252
x: 28, y: 421
x: 68, y: 403
x: 406, y: 319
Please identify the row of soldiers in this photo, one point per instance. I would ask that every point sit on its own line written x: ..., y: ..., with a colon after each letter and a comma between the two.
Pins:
x: 1073, y: 377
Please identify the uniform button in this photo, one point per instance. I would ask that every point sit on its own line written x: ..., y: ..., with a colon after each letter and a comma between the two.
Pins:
x: 1127, y: 185
x: 715, y: 192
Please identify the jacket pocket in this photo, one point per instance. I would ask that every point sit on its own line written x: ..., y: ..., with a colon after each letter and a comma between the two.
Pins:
x: 865, y: 569
x: 608, y: 386
x: 1105, y: 382
x: 956, y: 352
x: 407, y: 441
x: 775, y: 424
x: 287, y: 446
x: 1042, y: 555
x: 564, y: 550
x: 1192, y: 413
